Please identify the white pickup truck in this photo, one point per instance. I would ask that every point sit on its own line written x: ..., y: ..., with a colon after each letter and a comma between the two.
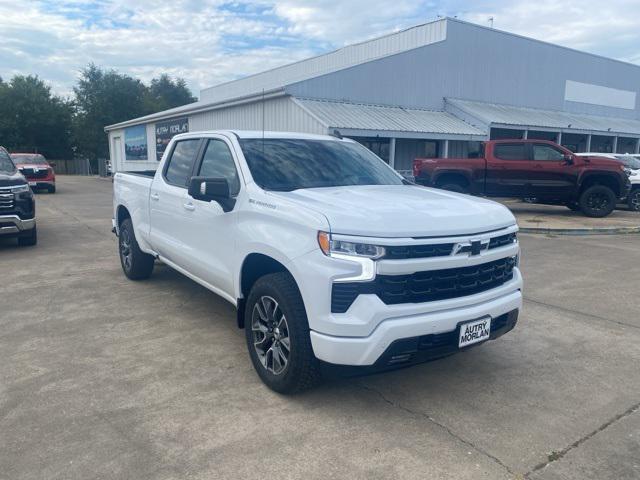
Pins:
x: 333, y: 260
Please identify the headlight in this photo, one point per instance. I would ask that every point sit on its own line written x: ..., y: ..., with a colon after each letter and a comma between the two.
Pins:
x: 20, y: 188
x: 628, y: 171
x: 351, y: 249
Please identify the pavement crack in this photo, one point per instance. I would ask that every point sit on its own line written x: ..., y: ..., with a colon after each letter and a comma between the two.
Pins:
x: 577, y: 312
x: 555, y: 456
x: 442, y: 426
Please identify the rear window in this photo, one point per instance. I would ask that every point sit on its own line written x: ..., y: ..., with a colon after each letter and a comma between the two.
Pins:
x: 510, y: 151
x: 178, y: 171
x: 35, y: 158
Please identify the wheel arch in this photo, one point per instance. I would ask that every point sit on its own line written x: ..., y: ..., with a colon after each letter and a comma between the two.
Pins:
x: 600, y: 178
x: 451, y: 176
x: 254, y: 266
x: 122, y: 213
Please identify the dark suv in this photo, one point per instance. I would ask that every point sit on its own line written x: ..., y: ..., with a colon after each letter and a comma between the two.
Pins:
x: 17, y: 205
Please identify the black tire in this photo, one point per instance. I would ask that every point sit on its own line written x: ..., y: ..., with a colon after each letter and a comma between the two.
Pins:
x: 575, y: 206
x: 136, y: 264
x: 51, y: 189
x: 633, y: 200
x: 300, y: 370
x: 30, y: 239
x: 454, y: 187
x: 597, y: 201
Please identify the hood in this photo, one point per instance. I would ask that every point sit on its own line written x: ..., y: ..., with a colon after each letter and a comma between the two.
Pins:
x: 401, y: 210
x: 601, y: 161
x: 11, y: 178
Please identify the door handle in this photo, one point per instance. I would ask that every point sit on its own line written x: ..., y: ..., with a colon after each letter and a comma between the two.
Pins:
x: 537, y: 166
x: 155, y: 196
x: 189, y: 206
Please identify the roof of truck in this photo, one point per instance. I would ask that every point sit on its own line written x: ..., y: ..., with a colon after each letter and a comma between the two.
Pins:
x: 261, y: 134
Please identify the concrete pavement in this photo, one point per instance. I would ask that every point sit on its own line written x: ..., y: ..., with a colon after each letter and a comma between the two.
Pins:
x: 101, y: 377
x: 558, y: 219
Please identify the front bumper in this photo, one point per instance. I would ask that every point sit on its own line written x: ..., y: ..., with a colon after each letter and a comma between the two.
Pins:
x: 36, y: 184
x: 14, y: 225
x: 420, y: 349
x: 363, y: 351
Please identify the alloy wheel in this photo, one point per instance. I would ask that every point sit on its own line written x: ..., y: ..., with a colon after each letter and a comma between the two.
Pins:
x: 634, y: 200
x: 598, y: 201
x: 125, y: 249
x: 270, y: 335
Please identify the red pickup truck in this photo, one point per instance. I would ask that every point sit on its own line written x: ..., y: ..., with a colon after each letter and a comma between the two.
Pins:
x: 536, y: 169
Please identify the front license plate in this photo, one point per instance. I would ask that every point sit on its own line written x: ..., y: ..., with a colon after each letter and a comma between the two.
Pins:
x: 474, y: 332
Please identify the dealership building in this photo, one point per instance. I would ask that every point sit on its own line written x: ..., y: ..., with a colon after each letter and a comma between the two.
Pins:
x: 434, y: 90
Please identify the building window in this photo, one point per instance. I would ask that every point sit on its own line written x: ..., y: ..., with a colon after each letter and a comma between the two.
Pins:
x: 601, y: 144
x: 626, y: 145
x: 574, y: 142
x: 506, y: 134
x: 540, y: 135
x: 379, y: 146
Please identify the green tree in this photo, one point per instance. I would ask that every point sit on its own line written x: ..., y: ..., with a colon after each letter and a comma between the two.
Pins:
x: 32, y: 118
x: 165, y: 93
x: 104, y: 98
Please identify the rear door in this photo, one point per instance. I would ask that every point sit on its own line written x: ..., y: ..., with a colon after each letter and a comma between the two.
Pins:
x: 170, y: 206
x: 508, y: 166
x: 552, y: 176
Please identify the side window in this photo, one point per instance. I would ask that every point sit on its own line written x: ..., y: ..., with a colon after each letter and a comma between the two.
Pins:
x: 546, y: 152
x: 218, y: 163
x: 178, y: 171
x: 510, y: 151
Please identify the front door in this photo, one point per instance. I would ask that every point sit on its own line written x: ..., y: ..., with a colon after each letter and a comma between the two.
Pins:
x: 213, y: 236
x: 552, y: 176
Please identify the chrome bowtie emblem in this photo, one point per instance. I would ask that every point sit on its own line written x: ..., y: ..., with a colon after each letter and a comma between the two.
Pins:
x: 472, y: 247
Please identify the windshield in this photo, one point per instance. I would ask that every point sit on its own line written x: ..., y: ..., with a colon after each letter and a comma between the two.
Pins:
x: 629, y: 161
x: 289, y: 164
x: 6, y: 165
x: 35, y: 158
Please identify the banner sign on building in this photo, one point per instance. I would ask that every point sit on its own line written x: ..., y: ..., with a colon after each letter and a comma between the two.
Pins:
x: 165, y: 132
x: 135, y: 143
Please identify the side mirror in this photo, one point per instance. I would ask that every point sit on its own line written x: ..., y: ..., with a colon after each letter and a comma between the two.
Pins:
x: 52, y: 164
x: 568, y: 159
x: 208, y: 189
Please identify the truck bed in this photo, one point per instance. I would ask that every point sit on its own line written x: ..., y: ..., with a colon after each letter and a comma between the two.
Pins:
x: 132, y: 189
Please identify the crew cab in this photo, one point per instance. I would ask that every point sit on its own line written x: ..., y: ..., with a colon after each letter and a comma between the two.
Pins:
x: 535, y: 169
x: 17, y: 205
x: 335, y: 263
x: 37, y: 170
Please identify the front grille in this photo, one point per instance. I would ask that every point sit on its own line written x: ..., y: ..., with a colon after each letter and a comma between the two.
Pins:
x: 6, y: 200
x: 426, y: 286
x: 444, y: 249
x: 502, y: 240
x: 31, y: 174
x: 418, y: 251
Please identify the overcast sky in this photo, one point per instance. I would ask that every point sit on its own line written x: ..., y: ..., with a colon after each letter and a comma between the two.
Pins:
x: 208, y: 42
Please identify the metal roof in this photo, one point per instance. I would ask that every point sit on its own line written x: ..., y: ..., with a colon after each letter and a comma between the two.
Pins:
x: 346, y: 57
x: 379, y: 118
x: 508, y: 115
